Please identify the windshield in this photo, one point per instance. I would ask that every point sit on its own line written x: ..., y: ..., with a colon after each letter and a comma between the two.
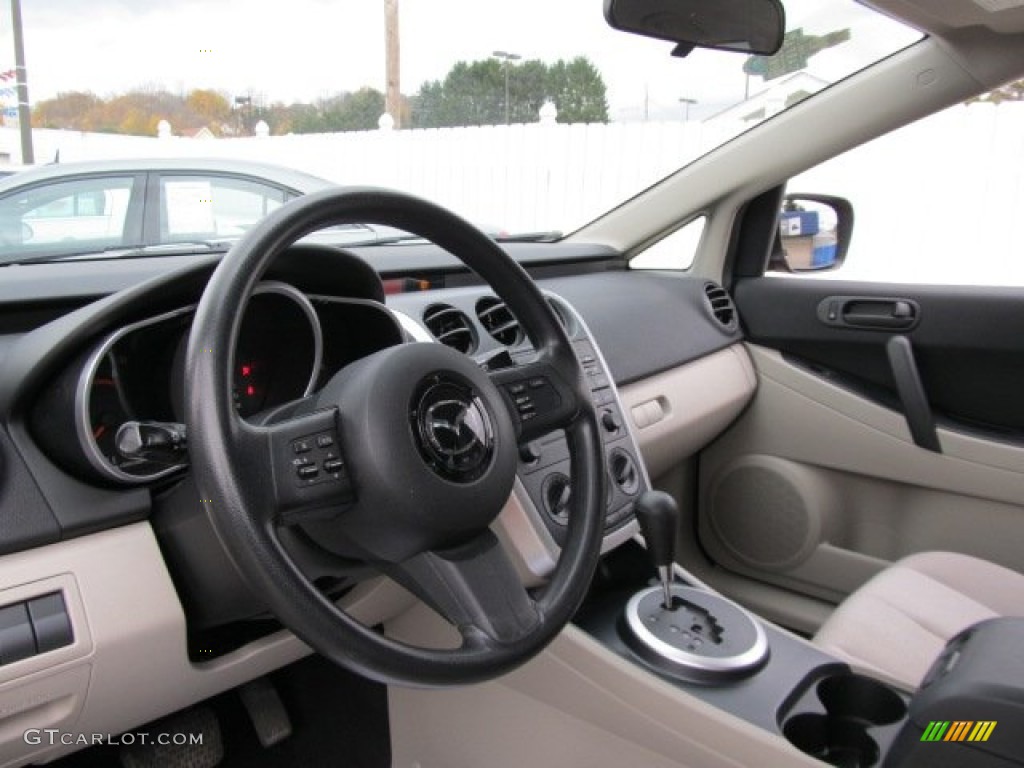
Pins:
x: 528, y: 118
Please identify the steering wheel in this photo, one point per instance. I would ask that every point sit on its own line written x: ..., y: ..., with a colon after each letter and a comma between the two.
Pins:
x: 415, y: 453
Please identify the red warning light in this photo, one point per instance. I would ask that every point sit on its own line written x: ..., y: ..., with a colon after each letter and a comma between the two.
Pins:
x: 250, y: 390
x: 246, y: 370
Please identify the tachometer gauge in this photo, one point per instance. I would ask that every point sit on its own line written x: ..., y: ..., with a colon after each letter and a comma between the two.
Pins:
x: 122, y: 380
x: 107, y: 411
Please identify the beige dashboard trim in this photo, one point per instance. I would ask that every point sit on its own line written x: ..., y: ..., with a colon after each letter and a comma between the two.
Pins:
x: 676, y: 413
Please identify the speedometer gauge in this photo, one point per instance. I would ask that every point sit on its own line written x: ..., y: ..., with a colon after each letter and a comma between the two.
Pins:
x: 279, y: 349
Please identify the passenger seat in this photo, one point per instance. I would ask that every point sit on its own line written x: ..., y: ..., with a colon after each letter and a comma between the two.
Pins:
x: 896, y: 624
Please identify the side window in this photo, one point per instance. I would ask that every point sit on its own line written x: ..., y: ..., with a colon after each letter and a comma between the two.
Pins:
x: 677, y: 251
x: 66, y: 216
x: 938, y: 201
x: 213, y: 206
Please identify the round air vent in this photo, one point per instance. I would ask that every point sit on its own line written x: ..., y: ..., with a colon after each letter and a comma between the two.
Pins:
x: 450, y: 326
x: 499, y: 321
x: 624, y: 472
x: 721, y: 305
x: 557, y: 494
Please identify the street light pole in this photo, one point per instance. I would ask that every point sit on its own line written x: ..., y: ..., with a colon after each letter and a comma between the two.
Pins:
x: 506, y: 57
x: 24, y: 113
x: 687, y: 102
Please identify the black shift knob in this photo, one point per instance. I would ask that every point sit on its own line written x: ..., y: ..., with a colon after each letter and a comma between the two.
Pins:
x: 658, y: 516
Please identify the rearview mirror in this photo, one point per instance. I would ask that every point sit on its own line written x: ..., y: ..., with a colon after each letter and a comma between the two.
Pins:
x: 749, y: 26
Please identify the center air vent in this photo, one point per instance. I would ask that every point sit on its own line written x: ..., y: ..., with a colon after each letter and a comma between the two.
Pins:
x: 450, y: 326
x: 499, y: 321
x: 721, y: 305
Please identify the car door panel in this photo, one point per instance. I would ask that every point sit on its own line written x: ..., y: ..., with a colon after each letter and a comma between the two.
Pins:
x: 820, y: 484
x: 967, y: 342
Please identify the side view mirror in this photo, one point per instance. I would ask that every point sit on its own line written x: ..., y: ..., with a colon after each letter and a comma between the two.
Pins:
x: 814, y: 233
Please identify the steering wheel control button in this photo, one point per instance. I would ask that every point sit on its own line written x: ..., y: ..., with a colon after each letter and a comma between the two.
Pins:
x: 50, y: 622
x: 531, y: 396
x: 316, y: 452
x: 454, y: 429
x: 17, y: 641
x: 310, y: 475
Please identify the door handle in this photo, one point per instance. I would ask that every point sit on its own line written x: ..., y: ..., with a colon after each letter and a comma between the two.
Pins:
x: 869, y: 312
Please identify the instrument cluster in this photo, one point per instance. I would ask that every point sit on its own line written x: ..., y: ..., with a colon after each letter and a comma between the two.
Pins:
x: 133, y: 384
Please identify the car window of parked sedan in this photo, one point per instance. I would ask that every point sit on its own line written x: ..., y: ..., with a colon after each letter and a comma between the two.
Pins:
x: 65, y: 216
x: 211, y: 206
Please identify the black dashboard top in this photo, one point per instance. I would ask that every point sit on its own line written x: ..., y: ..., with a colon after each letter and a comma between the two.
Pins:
x: 54, y: 314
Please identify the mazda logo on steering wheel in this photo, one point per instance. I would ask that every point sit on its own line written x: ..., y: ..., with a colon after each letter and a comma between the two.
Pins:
x: 455, y: 427
x: 453, y: 430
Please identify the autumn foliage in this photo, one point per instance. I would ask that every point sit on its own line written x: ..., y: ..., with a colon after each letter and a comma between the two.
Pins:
x: 137, y: 112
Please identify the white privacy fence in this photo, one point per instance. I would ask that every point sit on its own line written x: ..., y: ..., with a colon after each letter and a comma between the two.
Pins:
x: 932, y: 201
x: 518, y: 177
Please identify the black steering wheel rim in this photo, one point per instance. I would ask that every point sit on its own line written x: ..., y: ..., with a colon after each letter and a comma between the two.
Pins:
x: 233, y: 499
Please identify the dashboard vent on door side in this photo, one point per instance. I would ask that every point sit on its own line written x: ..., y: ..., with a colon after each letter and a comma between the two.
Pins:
x: 450, y: 326
x: 499, y: 321
x: 721, y: 305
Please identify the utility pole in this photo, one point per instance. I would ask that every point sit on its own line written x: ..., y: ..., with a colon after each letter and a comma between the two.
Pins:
x: 507, y: 58
x: 393, y: 90
x: 24, y: 113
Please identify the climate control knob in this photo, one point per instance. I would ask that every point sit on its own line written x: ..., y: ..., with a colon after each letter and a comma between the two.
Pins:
x: 610, y: 421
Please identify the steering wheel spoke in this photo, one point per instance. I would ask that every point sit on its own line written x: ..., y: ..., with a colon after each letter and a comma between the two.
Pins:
x: 475, y: 587
x: 307, y: 471
x: 538, y: 397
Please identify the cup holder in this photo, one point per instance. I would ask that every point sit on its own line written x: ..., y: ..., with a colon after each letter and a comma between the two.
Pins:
x: 861, y: 698
x: 845, y: 720
x: 835, y: 740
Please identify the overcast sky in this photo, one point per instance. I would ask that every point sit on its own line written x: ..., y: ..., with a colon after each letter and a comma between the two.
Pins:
x: 300, y: 50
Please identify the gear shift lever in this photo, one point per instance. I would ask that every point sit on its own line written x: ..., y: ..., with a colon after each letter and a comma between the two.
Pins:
x: 658, y: 516
x: 686, y: 632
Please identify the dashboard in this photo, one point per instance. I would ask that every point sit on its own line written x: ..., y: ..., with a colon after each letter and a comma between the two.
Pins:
x: 150, y: 594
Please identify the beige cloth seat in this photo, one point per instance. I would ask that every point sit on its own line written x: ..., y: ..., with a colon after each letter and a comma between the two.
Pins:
x: 896, y: 624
